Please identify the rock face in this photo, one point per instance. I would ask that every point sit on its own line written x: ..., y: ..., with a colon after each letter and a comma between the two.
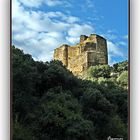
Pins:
x: 90, y: 51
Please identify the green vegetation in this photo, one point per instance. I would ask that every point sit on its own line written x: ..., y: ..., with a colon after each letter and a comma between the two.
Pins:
x: 117, y: 73
x: 50, y: 103
x: 123, y: 79
x: 99, y: 71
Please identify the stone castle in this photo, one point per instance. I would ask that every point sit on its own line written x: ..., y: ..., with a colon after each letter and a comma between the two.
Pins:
x: 90, y: 51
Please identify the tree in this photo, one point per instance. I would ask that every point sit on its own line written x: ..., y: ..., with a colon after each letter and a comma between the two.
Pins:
x: 61, y: 118
x: 49, y: 102
x: 123, y: 79
x: 99, y: 71
x: 120, y: 67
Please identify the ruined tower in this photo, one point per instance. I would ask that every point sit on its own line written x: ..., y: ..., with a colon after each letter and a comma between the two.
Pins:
x: 90, y: 51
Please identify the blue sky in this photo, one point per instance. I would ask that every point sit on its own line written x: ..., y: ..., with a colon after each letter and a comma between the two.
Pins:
x: 40, y: 26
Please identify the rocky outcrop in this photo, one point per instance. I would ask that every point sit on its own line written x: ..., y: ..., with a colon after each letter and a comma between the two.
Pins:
x: 90, y: 51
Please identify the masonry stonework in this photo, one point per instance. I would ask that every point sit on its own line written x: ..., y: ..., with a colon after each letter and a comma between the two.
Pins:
x: 90, y: 51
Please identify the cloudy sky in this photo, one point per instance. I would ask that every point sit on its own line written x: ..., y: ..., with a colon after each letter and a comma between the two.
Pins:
x: 40, y: 26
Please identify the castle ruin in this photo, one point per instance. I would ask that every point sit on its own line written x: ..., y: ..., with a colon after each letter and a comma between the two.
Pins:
x: 90, y: 51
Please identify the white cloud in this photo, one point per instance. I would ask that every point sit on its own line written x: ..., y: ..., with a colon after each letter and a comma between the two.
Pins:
x: 125, y: 37
x: 68, y: 19
x: 53, y: 2
x: 76, y: 30
x: 110, y: 34
x: 72, y: 40
x: 113, y: 51
x: 72, y: 19
x: 37, y: 3
x: 122, y: 43
x: 89, y: 3
x: 116, y: 46
x: 39, y: 33
x: 31, y: 3
x: 25, y: 35
x: 110, y: 60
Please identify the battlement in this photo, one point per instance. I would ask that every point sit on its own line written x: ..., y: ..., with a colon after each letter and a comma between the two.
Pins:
x: 90, y: 51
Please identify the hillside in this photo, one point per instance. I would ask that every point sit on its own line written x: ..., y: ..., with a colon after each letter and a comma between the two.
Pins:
x: 50, y: 103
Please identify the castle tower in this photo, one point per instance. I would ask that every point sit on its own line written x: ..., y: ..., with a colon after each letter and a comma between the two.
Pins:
x: 61, y: 54
x: 90, y: 51
x: 83, y: 38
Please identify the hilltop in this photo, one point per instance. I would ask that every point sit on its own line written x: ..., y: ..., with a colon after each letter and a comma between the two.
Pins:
x: 49, y: 102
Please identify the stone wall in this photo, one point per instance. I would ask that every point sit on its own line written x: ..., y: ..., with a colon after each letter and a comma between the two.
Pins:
x: 90, y: 51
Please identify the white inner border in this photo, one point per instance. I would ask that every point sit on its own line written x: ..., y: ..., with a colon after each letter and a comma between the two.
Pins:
x: 4, y: 69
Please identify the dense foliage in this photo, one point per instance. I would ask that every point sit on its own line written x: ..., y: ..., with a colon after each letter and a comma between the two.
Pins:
x: 117, y: 73
x: 50, y: 103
